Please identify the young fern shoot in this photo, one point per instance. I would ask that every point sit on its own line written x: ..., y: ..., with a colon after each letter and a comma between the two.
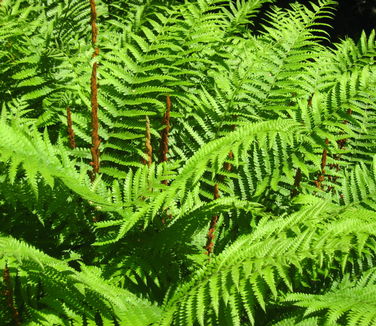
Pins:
x: 95, y: 140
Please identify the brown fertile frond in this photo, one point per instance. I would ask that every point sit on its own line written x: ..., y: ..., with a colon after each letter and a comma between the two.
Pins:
x: 9, y: 297
x: 72, y: 142
x: 213, y: 223
x: 95, y: 141
x: 149, y: 148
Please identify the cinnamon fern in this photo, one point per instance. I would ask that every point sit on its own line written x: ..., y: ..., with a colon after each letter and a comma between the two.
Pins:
x: 180, y: 163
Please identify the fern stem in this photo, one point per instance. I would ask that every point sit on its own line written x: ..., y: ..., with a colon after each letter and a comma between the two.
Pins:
x: 149, y: 148
x: 93, y: 21
x: 165, y: 131
x: 213, y: 223
x: 342, y: 142
x: 321, y: 176
x: 94, y: 95
x: 72, y: 141
x: 9, y: 297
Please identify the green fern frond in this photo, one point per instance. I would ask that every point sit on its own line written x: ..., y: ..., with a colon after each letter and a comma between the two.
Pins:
x: 86, y: 292
x: 351, y: 302
x: 253, y: 266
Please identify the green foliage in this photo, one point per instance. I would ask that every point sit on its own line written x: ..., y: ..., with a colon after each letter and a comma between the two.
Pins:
x: 264, y: 212
x: 88, y: 293
x: 350, y: 300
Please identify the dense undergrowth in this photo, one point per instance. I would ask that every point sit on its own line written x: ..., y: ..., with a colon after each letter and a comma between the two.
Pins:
x: 167, y: 163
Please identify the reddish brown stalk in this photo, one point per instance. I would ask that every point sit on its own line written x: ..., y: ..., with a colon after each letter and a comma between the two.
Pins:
x: 324, y: 156
x: 321, y: 176
x: 95, y: 141
x: 164, y: 141
x: 9, y: 297
x: 93, y: 21
x: 72, y: 142
x: 165, y: 132
x: 149, y: 148
x: 213, y: 223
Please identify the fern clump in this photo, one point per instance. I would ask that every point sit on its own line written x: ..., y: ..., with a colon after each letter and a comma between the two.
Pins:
x: 175, y: 163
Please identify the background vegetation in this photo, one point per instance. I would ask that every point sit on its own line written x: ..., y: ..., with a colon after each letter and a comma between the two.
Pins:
x: 181, y: 163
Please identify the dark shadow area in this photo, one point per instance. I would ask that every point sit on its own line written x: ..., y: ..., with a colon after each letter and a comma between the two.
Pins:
x: 352, y: 17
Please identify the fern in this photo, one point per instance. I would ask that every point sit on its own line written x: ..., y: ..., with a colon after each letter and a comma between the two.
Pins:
x: 350, y: 301
x: 237, y: 165
x: 85, y: 292
x: 246, y: 275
